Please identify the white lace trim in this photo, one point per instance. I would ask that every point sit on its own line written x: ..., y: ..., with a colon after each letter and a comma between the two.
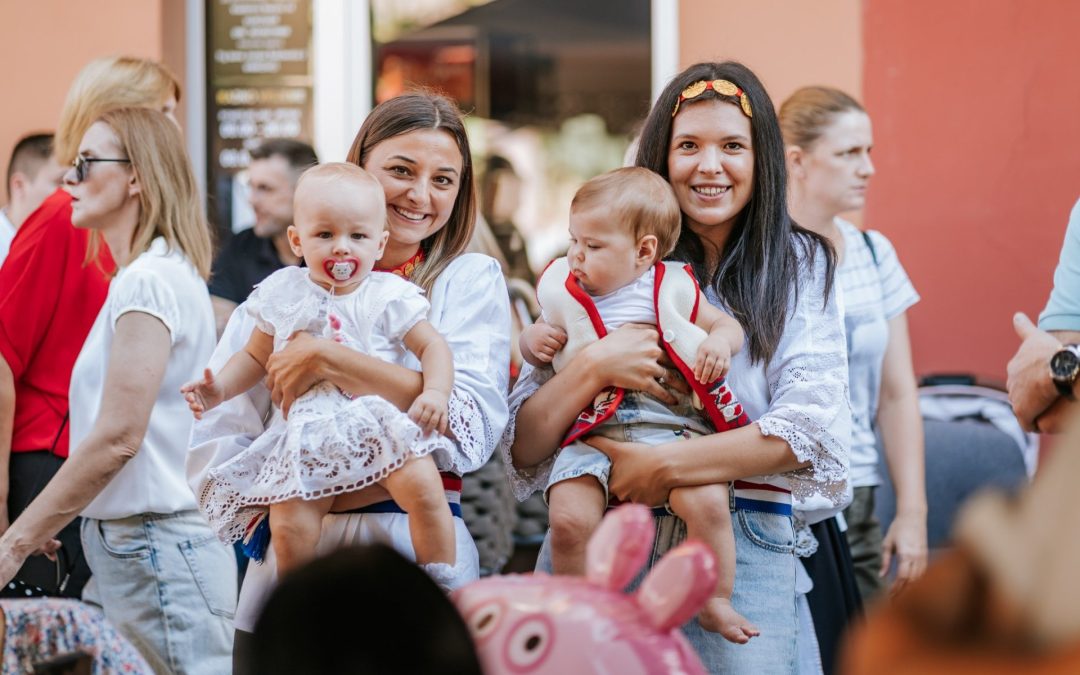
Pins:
x: 311, y: 456
x: 531, y: 479
x: 806, y: 544
x: 827, y: 474
x: 474, y: 438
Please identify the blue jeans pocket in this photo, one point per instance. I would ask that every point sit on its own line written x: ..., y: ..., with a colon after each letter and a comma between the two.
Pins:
x: 127, y: 543
x: 200, y: 555
x: 767, y: 530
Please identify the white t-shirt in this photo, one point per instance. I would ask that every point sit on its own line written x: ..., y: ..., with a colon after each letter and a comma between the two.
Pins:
x: 163, y: 284
x: 7, y: 233
x: 874, y: 293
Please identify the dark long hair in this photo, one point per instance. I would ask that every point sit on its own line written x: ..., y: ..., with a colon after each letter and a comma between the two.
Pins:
x: 426, y: 110
x: 757, y: 275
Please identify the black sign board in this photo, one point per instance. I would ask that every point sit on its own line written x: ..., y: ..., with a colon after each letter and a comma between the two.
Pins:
x: 259, y: 86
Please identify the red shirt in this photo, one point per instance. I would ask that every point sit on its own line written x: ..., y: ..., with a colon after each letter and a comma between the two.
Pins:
x: 48, y: 302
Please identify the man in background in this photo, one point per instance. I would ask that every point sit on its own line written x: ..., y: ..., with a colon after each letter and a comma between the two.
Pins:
x: 253, y: 254
x: 1044, y: 375
x: 32, y: 175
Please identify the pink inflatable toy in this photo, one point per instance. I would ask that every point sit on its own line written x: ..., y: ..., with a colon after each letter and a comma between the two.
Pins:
x: 536, y: 623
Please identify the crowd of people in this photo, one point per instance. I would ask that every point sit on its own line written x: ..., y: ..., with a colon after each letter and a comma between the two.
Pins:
x: 718, y: 344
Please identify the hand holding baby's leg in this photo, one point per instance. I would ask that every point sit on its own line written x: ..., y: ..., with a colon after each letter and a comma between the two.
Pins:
x: 295, y: 528
x: 707, y: 514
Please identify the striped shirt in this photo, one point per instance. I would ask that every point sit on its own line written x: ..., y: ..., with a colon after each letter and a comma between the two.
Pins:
x: 874, y: 293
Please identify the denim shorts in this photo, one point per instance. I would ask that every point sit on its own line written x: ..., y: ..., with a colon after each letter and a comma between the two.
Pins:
x: 640, y: 418
x: 168, y: 585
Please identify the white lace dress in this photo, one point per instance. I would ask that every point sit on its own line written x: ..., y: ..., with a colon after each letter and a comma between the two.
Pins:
x: 331, y: 443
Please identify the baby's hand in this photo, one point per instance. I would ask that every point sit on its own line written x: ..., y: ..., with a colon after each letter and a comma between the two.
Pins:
x: 202, y: 395
x: 429, y: 411
x: 713, y: 359
x: 544, y: 341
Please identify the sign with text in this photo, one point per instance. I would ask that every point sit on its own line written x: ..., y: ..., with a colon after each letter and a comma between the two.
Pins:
x: 259, y: 80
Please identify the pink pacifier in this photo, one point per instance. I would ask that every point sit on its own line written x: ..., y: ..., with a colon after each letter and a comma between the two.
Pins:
x: 341, y: 270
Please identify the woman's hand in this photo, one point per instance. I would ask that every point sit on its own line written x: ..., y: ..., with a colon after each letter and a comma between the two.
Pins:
x: 291, y: 372
x: 12, y: 561
x: 636, y: 471
x: 906, y: 540
x: 630, y: 357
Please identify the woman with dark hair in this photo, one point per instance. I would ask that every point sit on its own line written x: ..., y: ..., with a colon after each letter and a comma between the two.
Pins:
x: 713, y: 134
x: 415, y: 146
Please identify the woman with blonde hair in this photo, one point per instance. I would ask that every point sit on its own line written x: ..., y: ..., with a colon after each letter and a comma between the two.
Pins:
x: 55, y: 287
x: 166, y: 582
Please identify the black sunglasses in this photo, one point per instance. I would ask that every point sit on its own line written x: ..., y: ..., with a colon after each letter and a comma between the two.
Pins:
x: 82, y: 165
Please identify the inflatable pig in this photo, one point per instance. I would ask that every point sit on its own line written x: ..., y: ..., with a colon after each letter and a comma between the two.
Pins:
x: 536, y: 623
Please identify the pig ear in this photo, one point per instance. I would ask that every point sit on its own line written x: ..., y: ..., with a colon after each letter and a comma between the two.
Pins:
x: 678, y: 586
x: 620, y: 546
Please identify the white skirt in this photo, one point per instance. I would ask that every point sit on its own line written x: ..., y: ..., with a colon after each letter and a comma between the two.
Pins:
x: 329, y: 445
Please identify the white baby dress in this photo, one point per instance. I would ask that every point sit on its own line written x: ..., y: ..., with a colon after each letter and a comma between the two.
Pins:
x: 331, y: 443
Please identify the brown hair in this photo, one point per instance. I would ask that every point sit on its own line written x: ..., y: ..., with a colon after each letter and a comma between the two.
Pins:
x: 348, y: 174
x: 169, y: 202
x: 637, y: 198
x: 806, y: 113
x: 107, y: 84
x: 30, y: 154
x: 412, y: 112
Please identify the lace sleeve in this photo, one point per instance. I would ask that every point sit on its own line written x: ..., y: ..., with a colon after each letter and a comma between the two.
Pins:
x: 808, y: 381
x: 471, y: 308
x: 525, y: 481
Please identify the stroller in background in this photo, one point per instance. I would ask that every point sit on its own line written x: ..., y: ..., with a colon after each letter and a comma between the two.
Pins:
x: 973, y: 442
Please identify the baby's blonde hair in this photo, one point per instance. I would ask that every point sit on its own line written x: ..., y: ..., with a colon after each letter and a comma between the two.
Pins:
x: 333, y: 173
x: 638, y: 199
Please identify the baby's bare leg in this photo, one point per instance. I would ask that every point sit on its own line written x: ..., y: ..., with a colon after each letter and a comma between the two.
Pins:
x: 417, y: 488
x: 708, y: 518
x: 575, y: 507
x: 295, y: 528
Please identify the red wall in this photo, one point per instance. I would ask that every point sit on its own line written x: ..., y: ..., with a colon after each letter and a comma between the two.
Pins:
x: 976, y: 111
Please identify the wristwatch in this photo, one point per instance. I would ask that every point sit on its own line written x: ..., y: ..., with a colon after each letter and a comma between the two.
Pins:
x: 1064, y: 369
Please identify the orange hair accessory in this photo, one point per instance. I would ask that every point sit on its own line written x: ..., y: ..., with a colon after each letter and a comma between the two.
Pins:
x: 722, y: 87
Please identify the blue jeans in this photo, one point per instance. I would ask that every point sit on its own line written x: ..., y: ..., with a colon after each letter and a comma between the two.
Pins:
x: 168, y: 584
x: 764, y: 592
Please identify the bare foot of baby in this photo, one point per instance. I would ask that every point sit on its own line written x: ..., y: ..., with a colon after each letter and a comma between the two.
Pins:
x: 718, y: 616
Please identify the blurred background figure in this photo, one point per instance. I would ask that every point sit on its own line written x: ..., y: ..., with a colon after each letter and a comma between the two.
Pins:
x: 253, y: 254
x: 396, y: 620
x: 500, y: 196
x: 33, y: 174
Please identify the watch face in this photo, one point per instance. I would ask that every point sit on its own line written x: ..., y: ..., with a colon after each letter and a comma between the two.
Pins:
x: 1064, y: 364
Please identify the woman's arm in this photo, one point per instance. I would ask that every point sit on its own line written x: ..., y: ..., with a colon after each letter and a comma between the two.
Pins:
x: 902, y: 433
x: 7, y: 428
x: 627, y: 357
x: 306, y: 360
x: 137, y: 362
x: 645, y: 474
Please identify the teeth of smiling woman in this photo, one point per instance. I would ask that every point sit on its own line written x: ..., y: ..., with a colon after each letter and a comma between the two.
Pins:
x: 411, y: 215
x: 710, y: 191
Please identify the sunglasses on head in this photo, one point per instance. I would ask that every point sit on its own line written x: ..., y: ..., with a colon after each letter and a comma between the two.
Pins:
x: 82, y: 165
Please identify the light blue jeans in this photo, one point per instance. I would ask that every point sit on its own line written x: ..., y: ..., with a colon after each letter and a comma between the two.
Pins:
x: 168, y: 584
x: 764, y: 548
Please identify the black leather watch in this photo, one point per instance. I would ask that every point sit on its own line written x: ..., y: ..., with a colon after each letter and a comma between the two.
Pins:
x: 1064, y: 369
